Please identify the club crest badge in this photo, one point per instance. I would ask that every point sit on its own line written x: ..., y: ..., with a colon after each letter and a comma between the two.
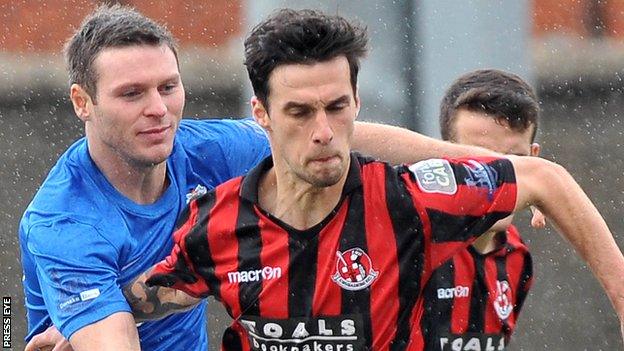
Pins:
x: 354, y: 270
x: 503, y: 300
x: 196, y: 193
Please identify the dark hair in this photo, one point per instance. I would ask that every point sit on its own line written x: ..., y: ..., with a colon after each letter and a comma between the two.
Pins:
x: 301, y: 37
x: 110, y: 26
x: 504, y: 96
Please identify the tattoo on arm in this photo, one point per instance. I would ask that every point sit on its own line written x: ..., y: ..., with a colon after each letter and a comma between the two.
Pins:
x: 155, y: 302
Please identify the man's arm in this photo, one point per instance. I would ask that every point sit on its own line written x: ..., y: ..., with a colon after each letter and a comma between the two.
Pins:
x: 553, y: 190
x: 399, y: 145
x: 115, y: 332
x: 155, y: 302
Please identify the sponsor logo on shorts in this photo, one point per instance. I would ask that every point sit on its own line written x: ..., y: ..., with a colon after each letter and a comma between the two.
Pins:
x: 255, y: 275
x: 305, y: 334
x: 503, y: 302
x: 471, y: 342
x: 449, y: 293
x: 354, y: 270
x: 435, y: 176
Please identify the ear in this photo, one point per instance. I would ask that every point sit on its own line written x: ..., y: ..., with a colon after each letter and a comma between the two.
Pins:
x: 535, y: 149
x: 81, y: 101
x: 260, y: 113
x: 357, y: 102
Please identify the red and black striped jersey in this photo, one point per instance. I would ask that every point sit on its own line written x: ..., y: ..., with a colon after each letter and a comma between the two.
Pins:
x: 473, y: 300
x: 354, y: 280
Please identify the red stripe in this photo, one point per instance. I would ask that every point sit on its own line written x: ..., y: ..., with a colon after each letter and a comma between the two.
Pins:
x: 472, y: 200
x: 514, y: 266
x: 426, y: 226
x: 417, y: 339
x: 223, y: 243
x: 492, y: 321
x: 465, y: 272
x: 327, y: 298
x: 382, y: 249
x: 274, y: 254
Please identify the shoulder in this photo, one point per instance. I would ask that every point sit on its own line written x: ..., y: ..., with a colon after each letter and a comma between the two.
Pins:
x: 217, y: 130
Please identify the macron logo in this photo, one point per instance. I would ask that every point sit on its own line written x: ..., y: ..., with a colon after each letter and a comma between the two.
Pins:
x: 254, y: 275
x: 449, y: 293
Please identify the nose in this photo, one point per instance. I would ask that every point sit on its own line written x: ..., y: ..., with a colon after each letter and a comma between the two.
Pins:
x: 322, y: 133
x: 155, y: 105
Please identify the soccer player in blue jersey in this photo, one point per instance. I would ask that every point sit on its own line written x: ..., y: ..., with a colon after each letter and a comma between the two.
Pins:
x: 106, y: 210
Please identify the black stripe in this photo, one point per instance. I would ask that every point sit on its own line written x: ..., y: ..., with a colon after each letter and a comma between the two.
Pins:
x: 197, y: 247
x: 408, y: 232
x: 446, y: 227
x: 249, y: 248
x: 353, y: 236
x: 302, y: 250
x: 478, y: 298
x: 438, y: 312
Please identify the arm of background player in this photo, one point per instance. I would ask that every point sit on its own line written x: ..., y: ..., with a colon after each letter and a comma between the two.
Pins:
x: 115, y: 332
x: 399, y: 145
x: 155, y: 302
x: 553, y: 190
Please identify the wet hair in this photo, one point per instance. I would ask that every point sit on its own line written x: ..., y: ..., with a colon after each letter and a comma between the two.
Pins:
x: 110, y: 26
x: 503, y: 96
x: 301, y: 37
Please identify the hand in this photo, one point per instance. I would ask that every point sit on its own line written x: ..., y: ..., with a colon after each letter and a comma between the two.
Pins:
x: 538, y: 220
x: 49, y: 340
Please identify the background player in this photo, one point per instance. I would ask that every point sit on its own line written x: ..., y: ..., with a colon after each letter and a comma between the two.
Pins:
x: 480, y: 291
x: 278, y: 246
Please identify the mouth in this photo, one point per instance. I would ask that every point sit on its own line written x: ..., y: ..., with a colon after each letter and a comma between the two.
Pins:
x: 325, y: 159
x: 155, y: 131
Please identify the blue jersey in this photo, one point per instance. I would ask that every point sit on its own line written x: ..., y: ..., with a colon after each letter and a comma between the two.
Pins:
x: 81, y: 240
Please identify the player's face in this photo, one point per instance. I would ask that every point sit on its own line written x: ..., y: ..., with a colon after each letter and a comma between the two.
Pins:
x: 312, y: 109
x: 479, y: 129
x: 138, y: 105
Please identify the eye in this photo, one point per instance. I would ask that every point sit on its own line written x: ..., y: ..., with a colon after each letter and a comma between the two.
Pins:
x: 300, y: 113
x: 337, y: 107
x: 129, y: 94
x: 167, y: 88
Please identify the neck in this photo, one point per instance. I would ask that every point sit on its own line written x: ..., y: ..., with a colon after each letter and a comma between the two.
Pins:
x: 143, y: 184
x: 487, y: 242
x: 295, y: 202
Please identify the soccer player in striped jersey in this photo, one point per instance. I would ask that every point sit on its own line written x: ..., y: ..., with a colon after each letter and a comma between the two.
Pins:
x: 321, y: 249
x: 474, y: 299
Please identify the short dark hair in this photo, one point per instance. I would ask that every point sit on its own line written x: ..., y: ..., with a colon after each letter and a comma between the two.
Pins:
x: 301, y: 37
x: 106, y: 27
x: 504, y: 96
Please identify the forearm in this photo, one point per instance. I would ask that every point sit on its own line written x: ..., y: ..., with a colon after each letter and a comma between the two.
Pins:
x: 399, y: 145
x: 155, y: 302
x: 578, y: 220
x: 115, y: 332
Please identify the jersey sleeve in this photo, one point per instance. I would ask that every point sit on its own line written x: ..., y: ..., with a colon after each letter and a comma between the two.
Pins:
x: 460, y: 199
x: 77, y: 272
x: 177, y: 269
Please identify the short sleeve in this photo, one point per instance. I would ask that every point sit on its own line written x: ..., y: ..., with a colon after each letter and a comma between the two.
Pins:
x: 77, y: 271
x: 176, y: 270
x: 460, y: 199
